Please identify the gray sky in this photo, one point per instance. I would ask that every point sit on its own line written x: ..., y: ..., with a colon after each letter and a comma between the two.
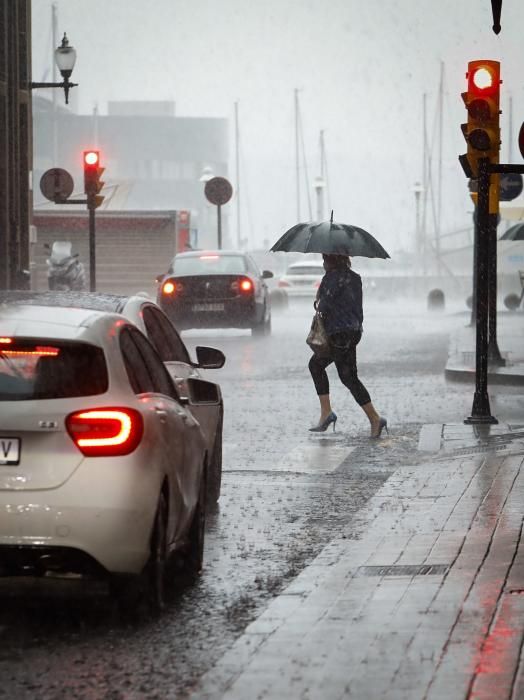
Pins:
x: 362, y: 68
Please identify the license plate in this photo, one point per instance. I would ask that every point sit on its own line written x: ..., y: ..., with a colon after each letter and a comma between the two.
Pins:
x: 9, y: 450
x: 208, y: 307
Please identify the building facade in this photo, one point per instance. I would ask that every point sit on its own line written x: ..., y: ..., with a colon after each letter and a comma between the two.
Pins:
x: 153, y: 159
x: 15, y: 142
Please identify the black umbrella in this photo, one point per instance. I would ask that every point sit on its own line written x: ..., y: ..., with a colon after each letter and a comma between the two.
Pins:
x: 330, y: 238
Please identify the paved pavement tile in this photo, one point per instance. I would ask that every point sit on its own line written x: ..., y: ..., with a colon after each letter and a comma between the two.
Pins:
x: 346, y: 630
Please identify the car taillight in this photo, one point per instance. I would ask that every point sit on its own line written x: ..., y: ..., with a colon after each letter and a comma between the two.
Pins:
x: 104, y: 432
x: 170, y: 288
x: 243, y: 285
x: 283, y: 283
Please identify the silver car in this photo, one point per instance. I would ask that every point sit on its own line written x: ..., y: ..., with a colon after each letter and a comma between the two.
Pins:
x: 302, y: 279
x: 102, y: 466
x: 152, y: 321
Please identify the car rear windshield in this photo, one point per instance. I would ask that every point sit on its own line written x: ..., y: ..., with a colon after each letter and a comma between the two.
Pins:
x: 50, y: 369
x: 210, y: 265
x: 312, y: 270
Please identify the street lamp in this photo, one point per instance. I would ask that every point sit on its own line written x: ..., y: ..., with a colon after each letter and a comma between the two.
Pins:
x: 320, y: 184
x: 420, y: 244
x: 207, y: 174
x: 65, y: 57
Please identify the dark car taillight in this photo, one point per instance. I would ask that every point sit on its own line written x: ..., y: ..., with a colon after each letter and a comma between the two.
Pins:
x: 105, y: 432
x: 171, y: 288
x: 243, y: 285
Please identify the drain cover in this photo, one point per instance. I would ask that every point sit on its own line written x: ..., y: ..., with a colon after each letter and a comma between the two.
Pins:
x: 405, y: 570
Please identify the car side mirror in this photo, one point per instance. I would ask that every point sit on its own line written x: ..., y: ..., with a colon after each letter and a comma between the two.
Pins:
x: 209, y: 358
x: 159, y: 278
x: 267, y: 274
x: 202, y: 392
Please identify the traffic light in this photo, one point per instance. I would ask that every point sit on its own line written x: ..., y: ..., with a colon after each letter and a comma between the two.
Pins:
x: 482, y: 100
x: 92, y: 173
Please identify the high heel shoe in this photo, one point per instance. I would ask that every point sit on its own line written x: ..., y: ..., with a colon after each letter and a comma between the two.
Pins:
x: 383, y: 423
x: 322, y: 427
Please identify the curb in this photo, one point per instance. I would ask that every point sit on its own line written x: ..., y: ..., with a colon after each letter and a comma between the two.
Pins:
x: 504, y: 376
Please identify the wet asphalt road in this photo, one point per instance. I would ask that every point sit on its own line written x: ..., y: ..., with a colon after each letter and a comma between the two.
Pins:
x: 286, y: 493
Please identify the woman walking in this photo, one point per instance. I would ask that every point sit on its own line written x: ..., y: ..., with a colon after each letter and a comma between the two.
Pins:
x: 339, y: 299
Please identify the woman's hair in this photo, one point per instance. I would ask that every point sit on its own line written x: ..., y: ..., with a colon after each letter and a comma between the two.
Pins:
x: 336, y: 262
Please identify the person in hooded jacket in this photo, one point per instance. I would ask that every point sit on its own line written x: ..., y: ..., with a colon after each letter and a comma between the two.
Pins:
x: 339, y: 300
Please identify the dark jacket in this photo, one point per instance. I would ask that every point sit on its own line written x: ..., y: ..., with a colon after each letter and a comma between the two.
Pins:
x: 340, y: 301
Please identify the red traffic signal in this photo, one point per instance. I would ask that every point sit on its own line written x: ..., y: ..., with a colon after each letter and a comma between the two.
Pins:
x: 482, y: 100
x: 92, y: 173
x: 91, y: 158
x: 482, y: 78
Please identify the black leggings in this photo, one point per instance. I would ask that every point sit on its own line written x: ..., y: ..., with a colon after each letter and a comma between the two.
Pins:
x: 344, y: 355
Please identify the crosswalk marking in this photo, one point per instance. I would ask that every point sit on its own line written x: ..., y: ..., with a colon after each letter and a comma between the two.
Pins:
x: 322, y: 456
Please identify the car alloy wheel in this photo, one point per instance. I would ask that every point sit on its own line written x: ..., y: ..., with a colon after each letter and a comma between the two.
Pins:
x: 214, y: 480
x: 264, y: 327
x: 194, y: 554
x: 156, y: 566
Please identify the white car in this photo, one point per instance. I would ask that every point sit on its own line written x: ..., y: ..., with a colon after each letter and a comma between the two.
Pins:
x: 302, y: 279
x: 153, y: 322
x: 102, y: 466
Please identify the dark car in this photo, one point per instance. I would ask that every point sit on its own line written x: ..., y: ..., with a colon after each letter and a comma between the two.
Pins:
x: 216, y: 289
x: 204, y: 398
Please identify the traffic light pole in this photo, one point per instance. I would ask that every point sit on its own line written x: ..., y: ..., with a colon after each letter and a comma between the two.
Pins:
x: 472, y: 319
x: 485, y: 241
x: 91, y: 207
x: 494, y: 356
x: 480, y: 412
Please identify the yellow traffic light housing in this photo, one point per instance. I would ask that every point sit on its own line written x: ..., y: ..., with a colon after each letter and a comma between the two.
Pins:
x: 482, y: 100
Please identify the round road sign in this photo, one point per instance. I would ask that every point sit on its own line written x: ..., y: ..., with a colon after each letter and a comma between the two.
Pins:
x: 56, y: 183
x: 218, y: 190
x: 510, y: 186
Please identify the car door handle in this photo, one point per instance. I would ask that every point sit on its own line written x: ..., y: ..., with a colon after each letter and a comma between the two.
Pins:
x: 182, y: 414
x: 161, y: 414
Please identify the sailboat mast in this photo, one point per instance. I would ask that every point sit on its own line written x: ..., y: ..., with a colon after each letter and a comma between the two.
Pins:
x: 237, y: 172
x: 439, y: 176
x: 320, y: 184
x: 424, y: 184
x: 324, y: 169
x: 297, y: 156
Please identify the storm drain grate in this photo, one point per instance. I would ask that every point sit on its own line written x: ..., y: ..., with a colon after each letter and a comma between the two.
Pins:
x: 494, y: 443
x: 464, y: 451
x: 405, y: 570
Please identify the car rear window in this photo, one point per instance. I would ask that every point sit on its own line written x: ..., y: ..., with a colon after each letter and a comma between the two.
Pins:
x: 50, y: 369
x: 210, y: 265
x: 303, y: 270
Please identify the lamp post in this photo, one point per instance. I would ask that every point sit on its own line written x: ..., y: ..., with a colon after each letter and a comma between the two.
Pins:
x: 206, y: 175
x: 420, y: 245
x: 65, y: 57
x: 319, y: 189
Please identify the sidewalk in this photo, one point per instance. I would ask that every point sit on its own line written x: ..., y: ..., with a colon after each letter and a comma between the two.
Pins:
x: 510, y: 340
x: 426, y: 603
